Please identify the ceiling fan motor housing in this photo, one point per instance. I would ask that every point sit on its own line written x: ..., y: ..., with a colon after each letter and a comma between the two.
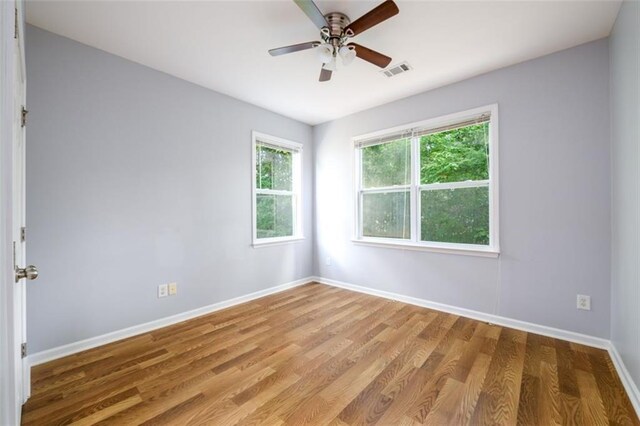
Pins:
x: 336, y: 23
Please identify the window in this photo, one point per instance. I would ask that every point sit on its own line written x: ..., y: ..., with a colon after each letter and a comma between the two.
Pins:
x: 276, y: 190
x: 431, y: 185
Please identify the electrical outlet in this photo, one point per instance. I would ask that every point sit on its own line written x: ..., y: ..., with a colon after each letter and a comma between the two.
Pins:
x: 173, y: 289
x: 327, y: 261
x: 163, y: 290
x: 584, y: 302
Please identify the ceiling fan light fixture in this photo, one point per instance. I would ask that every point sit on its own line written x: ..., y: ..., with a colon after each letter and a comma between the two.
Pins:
x: 325, y: 53
x: 348, y: 54
x: 331, y: 65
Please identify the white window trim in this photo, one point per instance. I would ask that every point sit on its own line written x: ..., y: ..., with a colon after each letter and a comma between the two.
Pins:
x: 256, y: 137
x: 491, y: 250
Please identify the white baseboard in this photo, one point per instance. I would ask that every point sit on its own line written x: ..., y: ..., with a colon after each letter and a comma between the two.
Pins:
x: 83, y: 345
x: 477, y: 315
x: 625, y: 377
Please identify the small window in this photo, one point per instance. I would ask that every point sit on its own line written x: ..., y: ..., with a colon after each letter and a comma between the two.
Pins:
x: 276, y: 189
x: 431, y: 184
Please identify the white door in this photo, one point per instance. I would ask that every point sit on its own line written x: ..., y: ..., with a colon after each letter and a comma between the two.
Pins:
x: 22, y: 372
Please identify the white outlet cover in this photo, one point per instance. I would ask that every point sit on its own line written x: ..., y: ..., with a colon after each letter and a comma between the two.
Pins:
x: 163, y: 290
x: 584, y: 302
x: 327, y: 261
x: 173, y: 289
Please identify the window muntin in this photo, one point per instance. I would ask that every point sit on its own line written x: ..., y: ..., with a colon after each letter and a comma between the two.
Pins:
x: 276, y: 189
x: 448, y: 201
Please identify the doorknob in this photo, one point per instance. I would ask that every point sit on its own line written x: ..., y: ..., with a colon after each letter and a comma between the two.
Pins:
x: 30, y: 273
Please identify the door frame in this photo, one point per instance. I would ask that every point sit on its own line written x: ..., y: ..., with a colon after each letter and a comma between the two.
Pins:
x: 11, y: 398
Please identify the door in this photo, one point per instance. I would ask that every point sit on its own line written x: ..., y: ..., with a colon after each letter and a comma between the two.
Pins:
x: 22, y: 273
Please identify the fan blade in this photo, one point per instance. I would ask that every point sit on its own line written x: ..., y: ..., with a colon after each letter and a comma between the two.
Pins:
x: 325, y: 75
x: 376, y: 15
x: 372, y: 56
x: 312, y: 11
x: 293, y: 48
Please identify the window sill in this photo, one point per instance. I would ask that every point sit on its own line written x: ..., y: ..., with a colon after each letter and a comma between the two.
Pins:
x: 268, y: 242
x: 465, y: 251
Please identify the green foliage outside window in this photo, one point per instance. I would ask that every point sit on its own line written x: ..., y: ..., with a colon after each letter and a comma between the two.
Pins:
x: 274, y: 212
x: 459, y: 215
x: 455, y: 155
x: 387, y: 164
x: 273, y: 168
x: 455, y: 215
x: 386, y: 215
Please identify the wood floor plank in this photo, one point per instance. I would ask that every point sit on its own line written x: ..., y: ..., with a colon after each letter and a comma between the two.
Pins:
x: 571, y: 410
x: 328, y: 403
x: 409, y: 399
x: 611, y: 391
x: 566, y: 372
x: 528, y: 405
x: 475, y: 380
x: 371, y: 403
x: 499, y: 399
x: 446, y: 403
x: 549, y: 391
x: 593, y: 407
x: 316, y: 378
x: 428, y: 397
x: 323, y: 355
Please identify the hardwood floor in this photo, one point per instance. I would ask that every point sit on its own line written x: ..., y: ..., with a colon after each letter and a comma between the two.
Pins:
x: 323, y: 355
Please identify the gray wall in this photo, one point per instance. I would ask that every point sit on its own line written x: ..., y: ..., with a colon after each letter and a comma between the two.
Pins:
x: 554, y: 196
x: 625, y: 208
x: 136, y: 178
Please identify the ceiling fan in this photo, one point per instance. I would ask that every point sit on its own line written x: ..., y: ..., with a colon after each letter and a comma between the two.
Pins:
x: 335, y: 30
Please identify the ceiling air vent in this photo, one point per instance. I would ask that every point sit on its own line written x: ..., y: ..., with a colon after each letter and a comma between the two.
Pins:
x: 397, y: 69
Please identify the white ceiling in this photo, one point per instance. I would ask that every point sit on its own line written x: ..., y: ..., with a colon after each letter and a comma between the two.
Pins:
x: 223, y: 45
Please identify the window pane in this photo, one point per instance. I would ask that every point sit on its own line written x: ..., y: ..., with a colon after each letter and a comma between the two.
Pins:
x: 273, y: 168
x: 274, y: 215
x: 455, y: 155
x: 386, y: 215
x: 386, y: 164
x: 455, y: 215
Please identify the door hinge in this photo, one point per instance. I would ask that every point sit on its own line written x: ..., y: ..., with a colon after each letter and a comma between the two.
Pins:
x: 23, y: 350
x: 23, y: 116
x: 23, y: 234
x: 15, y: 22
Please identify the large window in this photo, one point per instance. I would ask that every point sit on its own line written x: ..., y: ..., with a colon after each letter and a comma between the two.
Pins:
x: 276, y: 189
x: 431, y: 185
